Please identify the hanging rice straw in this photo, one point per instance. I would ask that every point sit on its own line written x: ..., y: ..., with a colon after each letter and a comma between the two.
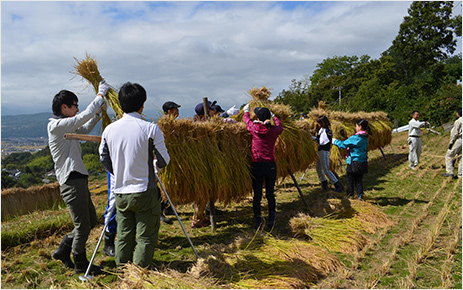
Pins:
x: 88, y: 69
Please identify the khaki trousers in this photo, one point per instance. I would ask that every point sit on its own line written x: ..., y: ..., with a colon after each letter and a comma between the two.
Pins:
x: 451, y: 155
x: 138, y: 219
x: 76, y: 195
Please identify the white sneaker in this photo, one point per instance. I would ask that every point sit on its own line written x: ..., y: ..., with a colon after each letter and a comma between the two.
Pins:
x: 412, y: 167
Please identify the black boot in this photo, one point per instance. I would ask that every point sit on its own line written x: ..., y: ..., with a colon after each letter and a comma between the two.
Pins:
x: 325, y: 185
x: 165, y: 219
x: 338, y: 187
x: 81, y: 265
x: 109, y: 249
x: 63, y: 252
x: 271, y: 220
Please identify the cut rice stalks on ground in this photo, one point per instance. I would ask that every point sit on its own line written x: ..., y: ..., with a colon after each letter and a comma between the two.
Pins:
x: 261, y: 261
x: 340, y: 230
x: 331, y: 234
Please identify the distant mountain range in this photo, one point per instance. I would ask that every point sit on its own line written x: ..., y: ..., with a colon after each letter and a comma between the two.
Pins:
x: 31, y: 126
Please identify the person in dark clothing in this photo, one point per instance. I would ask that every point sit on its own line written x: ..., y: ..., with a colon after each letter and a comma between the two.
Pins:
x: 263, y: 167
x: 357, y: 164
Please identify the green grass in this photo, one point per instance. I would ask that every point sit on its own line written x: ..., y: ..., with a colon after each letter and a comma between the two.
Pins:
x: 389, y: 185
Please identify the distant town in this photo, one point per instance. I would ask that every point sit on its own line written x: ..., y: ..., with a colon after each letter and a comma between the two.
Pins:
x: 22, y: 144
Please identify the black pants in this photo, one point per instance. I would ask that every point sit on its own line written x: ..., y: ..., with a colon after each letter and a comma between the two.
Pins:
x: 259, y: 172
x: 354, y: 181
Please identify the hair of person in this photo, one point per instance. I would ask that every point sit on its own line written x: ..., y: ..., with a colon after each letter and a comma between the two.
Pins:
x: 364, y: 124
x: 63, y: 97
x: 324, y: 122
x: 459, y: 111
x: 413, y: 113
x: 132, y: 96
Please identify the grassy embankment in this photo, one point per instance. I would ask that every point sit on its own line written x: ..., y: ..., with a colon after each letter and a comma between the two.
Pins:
x: 421, y: 248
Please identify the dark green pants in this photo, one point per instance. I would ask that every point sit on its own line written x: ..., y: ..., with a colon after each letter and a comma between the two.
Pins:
x: 76, y: 195
x: 138, y: 219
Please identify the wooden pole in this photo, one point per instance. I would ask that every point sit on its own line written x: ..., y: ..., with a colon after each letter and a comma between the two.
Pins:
x: 83, y: 137
x: 212, y: 216
x: 297, y: 186
x: 206, y: 108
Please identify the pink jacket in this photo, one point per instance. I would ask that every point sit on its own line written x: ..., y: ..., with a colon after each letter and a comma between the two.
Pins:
x: 263, y: 139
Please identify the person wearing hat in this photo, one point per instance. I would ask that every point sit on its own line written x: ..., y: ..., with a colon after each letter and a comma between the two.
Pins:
x: 171, y: 108
x: 264, y: 137
x: 199, y: 110
x: 218, y: 109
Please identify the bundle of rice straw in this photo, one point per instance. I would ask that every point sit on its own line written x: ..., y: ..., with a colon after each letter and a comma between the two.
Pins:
x: 266, y: 262
x: 329, y: 233
x: 88, y: 69
x: 361, y: 215
x: 343, y: 126
x: 209, y: 161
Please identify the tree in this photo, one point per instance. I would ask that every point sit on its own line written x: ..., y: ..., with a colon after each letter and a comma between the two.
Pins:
x: 336, y: 66
x: 425, y: 37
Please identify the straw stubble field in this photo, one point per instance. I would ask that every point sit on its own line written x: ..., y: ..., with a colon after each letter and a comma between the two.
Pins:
x: 407, y: 234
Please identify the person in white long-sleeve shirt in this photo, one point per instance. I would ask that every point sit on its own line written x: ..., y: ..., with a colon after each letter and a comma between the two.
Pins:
x: 72, y: 174
x: 454, y: 147
x: 414, y: 139
x: 127, y: 150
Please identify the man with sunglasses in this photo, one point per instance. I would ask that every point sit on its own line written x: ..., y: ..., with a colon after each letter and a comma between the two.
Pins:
x: 72, y: 174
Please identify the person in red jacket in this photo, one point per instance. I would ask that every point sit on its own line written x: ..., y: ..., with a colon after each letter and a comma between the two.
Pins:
x: 264, y: 137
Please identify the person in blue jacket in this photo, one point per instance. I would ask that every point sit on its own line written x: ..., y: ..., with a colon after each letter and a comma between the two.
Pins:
x: 357, y: 164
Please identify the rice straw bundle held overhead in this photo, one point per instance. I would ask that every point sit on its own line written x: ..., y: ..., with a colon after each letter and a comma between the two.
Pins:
x: 88, y: 69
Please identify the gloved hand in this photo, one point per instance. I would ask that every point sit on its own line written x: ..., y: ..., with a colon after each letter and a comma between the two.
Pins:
x: 246, y: 108
x: 233, y: 111
x: 450, y: 146
x: 103, y: 88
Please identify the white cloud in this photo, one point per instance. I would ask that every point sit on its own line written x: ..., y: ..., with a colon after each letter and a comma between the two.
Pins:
x: 182, y: 51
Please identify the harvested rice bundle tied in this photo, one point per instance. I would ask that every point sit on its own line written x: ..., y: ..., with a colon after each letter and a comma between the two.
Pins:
x: 88, y: 69
x: 209, y: 161
x: 331, y: 234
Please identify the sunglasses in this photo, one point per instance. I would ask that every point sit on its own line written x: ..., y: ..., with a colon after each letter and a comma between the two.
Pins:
x: 77, y: 106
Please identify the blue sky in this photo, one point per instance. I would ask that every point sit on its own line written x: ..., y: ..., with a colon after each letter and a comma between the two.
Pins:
x: 181, y: 51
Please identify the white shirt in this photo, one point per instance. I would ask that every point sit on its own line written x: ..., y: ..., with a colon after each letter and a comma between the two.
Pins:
x: 66, y: 153
x: 323, y: 137
x: 129, y: 142
x: 414, y: 127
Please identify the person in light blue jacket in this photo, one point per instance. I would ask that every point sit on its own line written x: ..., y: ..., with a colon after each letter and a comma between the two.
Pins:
x: 357, y: 165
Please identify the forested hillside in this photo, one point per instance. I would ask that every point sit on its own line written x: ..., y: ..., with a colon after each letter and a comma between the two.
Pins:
x: 419, y: 71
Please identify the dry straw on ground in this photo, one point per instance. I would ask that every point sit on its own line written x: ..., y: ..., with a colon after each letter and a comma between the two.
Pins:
x: 18, y: 201
x: 250, y: 262
x: 341, y: 229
